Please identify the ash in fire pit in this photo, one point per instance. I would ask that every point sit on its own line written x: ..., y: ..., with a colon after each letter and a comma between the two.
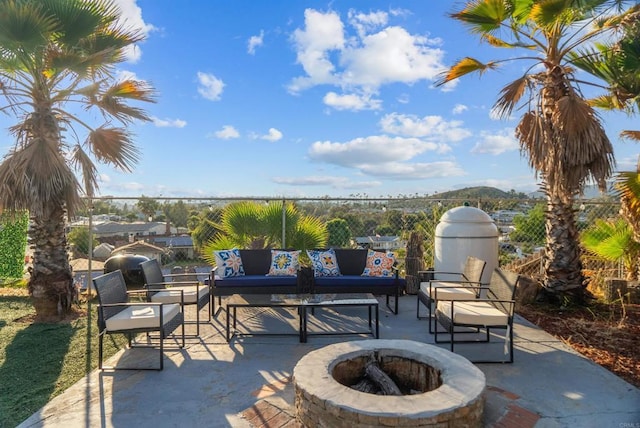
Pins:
x: 387, y: 375
x: 444, y: 388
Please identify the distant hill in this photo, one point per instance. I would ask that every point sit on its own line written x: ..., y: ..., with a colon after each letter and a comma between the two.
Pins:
x: 480, y: 192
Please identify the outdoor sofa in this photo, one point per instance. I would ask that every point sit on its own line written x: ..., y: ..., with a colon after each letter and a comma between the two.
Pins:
x: 255, y: 278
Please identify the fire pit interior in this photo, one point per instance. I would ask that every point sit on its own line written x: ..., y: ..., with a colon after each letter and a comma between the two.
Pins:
x: 376, y: 374
x: 414, y: 384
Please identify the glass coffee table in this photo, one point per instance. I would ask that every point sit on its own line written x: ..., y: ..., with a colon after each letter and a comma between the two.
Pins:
x: 303, y: 303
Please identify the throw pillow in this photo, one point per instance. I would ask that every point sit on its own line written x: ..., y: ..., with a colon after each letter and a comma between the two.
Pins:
x: 284, y: 263
x: 324, y: 263
x: 229, y: 263
x: 379, y: 264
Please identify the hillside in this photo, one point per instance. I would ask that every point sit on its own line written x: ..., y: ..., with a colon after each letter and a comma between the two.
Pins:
x: 480, y: 192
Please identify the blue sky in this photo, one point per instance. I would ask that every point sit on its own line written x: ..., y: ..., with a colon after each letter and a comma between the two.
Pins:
x: 306, y: 99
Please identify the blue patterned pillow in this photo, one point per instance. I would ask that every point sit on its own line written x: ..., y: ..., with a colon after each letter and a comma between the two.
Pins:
x: 284, y: 263
x: 324, y: 263
x: 229, y: 263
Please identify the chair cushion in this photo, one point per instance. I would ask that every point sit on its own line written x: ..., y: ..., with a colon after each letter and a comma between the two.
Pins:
x: 229, y: 263
x: 139, y: 317
x: 455, y: 293
x: 324, y: 263
x: 284, y: 263
x: 191, y: 294
x: 379, y: 264
x: 474, y: 313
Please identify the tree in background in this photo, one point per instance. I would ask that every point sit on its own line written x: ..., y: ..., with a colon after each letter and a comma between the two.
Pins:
x: 79, y: 237
x: 57, y: 54
x: 148, y: 206
x: 339, y: 233
x: 559, y: 132
x: 530, y: 228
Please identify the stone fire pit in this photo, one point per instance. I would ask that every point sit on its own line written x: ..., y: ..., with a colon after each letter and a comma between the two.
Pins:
x: 445, y: 387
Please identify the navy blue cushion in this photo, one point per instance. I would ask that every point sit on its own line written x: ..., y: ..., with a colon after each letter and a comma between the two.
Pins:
x: 255, y: 281
x: 354, y: 281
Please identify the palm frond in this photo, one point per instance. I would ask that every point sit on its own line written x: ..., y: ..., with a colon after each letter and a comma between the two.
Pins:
x: 510, y: 95
x: 483, y: 16
x: 87, y: 168
x: 632, y: 135
x: 113, y: 146
x: 111, y: 100
x: 463, y: 67
x: 24, y: 26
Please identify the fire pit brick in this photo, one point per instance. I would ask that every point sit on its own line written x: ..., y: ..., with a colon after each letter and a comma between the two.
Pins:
x: 321, y: 401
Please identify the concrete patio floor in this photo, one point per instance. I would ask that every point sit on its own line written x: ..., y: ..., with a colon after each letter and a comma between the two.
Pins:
x: 247, y: 382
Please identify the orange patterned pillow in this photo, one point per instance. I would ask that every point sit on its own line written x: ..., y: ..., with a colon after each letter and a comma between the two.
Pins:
x: 379, y: 264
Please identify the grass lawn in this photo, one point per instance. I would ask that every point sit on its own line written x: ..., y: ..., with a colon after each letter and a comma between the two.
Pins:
x: 40, y: 361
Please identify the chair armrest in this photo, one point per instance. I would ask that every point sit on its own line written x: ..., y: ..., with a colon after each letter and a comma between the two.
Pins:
x: 115, y: 305
x: 170, y: 284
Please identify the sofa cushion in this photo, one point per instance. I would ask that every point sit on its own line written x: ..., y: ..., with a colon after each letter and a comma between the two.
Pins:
x: 284, y: 263
x: 354, y: 281
x: 379, y: 264
x: 229, y: 263
x: 255, y: 281
x: 324, y: 263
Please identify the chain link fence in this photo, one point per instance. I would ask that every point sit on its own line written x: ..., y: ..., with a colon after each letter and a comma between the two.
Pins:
x: 179, y: 230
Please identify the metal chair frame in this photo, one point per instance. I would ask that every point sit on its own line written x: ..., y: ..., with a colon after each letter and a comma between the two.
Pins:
x: 113, y: 297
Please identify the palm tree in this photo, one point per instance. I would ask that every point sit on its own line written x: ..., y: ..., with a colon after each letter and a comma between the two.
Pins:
x: 618, y: 64
x: 56, y: 56
x: 560, y: 132
x: 252, y: 225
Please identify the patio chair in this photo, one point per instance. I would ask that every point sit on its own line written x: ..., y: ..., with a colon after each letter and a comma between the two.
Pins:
x: 172, y: 287
x: 116, y: 314
x: 493, y: 312
x: 467, y: 286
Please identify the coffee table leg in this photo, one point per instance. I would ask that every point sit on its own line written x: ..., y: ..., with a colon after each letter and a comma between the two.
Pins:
x: 369, y: 307
x: 228, y: 336
x: 302, y: 313
x: 377, y: 322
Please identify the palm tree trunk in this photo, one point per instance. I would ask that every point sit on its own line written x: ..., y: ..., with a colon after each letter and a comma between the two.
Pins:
x: 51, y: 284
x: 562, y: 264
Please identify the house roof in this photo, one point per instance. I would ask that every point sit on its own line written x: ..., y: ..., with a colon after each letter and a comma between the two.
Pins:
x: 174, y: 241
x: 82, y: 265
x: 139, y: 246
x: 115, y: 227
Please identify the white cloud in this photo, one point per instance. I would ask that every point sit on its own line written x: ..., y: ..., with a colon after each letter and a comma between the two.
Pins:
x: 495, y: 144
x: 332, y: 181
x: 210, y: 86
x: 227, y: 132
x: 432, y: 127
x: 168, y: 123
x: 131, y: 19
x: 365, y: 23
x: 273, y: 135
x: 414, y: 171
x: 364, y: 60
x: 323, y: 32
x: 459, y: 108
x: 126, y: 75
x: 254, y: 42
x: 369, y: 150
x: 629, y: 163
x: 351, y: 102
